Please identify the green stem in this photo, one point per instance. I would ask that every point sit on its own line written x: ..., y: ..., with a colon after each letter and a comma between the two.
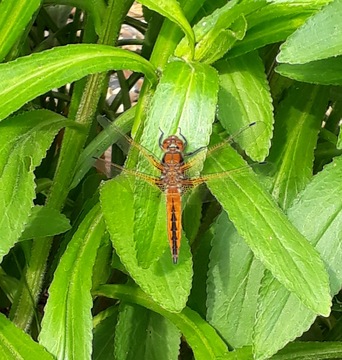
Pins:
x: 170, y: 34
x: 83, y: 109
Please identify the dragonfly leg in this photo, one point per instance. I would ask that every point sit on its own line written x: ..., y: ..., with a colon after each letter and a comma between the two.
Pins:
x: 195, y: 151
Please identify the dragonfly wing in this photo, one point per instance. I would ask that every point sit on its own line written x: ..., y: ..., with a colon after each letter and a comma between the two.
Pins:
x: 197, y: 156
x: 116, y: 169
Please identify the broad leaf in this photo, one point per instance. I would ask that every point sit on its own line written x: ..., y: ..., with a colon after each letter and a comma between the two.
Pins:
x: 234, y: 279
x: 25, y: 140
x: 67, y: 323
x: 217, y: 33
x: 267, y: 231
x: 324, y: 72
x: 44, y: 221
x: 317, y: 215
x: 27, y: 77
x: 141, y: 331
x: 221, y: 41
x: 168, y: 284
x: 238, y: 107
x: 104, y: 333
x: 177, y: 107
x: 274, y: 23
x: 319, y: 38
x: 201, y: 250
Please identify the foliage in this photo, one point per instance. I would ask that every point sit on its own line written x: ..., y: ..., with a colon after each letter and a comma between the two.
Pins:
x: 86, y: 266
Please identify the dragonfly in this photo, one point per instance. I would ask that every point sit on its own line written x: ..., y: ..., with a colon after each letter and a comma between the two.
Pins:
x: 173, y: 180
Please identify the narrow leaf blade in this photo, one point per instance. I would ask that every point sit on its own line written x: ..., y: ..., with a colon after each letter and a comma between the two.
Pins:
x: 68, y: 310
x: 14, y: 17
x: 16, y: 344
x: 27, y: 77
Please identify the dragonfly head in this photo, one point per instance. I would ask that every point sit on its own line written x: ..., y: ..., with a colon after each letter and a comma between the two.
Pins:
x: 173, y: 144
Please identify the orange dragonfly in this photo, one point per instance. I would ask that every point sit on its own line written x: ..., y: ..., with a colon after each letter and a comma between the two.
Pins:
x: 173, y: 179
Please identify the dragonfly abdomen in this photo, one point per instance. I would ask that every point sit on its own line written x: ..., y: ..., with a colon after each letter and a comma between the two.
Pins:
x: 174, y: 220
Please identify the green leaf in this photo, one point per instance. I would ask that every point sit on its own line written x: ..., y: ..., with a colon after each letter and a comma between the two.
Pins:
x: 319, y: 38
x: 141, y: 331
x: 44, y: 221
x: 25, y: 140
x: 168, y: 284
x: 234, y: 279
x: 339, y: 141
x: 16, y: 344
x: 68, y: 310
x: 8, y: 284
x: 324, y: 72
x: 310, y: 350
x: 274, y: 23
x: 104, y: 334
x: 14, y: 17
x: 177, y: 106
x: 101, y: 143
x: 103, y: 266
x: 298, y: 122
x: 172, y: 11
x: 216, y: 34
x: 221, y: 42
x: 27, y: 77
x: 192, y: 213
x: 267, y: 231
x: 238, y: 107
x: 200, y: 250
x: 324, y: 188
x: 201, y: 337
x: 317, y: 215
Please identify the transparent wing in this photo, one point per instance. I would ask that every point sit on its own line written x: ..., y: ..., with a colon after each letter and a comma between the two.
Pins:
x: 196, y: 155
x: 150, y: 157
x: 190, y: 182
x: 116, y: 169
x: 193, y: 182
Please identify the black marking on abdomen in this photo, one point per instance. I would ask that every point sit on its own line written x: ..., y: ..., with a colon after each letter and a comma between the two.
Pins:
x: 174, y: 233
